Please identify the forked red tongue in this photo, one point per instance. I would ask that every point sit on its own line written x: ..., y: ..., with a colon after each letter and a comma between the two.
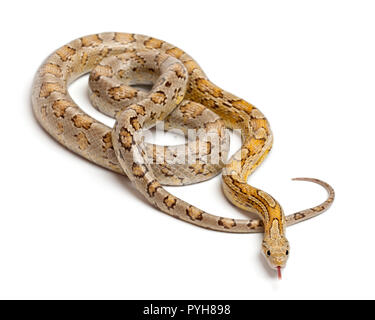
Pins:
x: 279, y: 273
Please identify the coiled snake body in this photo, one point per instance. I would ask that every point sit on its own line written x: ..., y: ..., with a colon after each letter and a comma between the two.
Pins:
x: 181, y: 95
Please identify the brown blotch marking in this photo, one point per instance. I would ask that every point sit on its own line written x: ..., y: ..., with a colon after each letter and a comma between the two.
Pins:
x: 318, y: 208
x: 299, y: 216
x: 170, y: 201
x: 168, y: 84
x: 206, y: 86
x: 122, y: 92
x: 253, y: 224
x: 152, y: 187
x: 135, y: 123
x: 175, y: 52
x: 91, y: 41
x: 82, y: 121
x: 158, y: 97
x: 165, y: 171
x: 53, y: 69
x: 124, y: 38
x: 126, y: 138
x: 153, y: 43
x: 48, y: 87
x: 152, y: 115
x: 140, y: 110
x: 65, y: 53
x: 82, y: 141
x: 227, y: 223
x: 191, y: 66
x: 59, y: 107
x: 107, y: 141
x: 194, y: 213
x: 197, y: 168
x: 139, y: 170
x: 179, y: 71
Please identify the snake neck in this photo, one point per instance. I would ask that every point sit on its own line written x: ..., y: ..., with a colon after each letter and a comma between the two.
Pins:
x: 257, y: 142
x: 249, y: 198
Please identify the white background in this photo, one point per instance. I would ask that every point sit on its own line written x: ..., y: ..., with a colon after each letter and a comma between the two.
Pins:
x: 70, y: 229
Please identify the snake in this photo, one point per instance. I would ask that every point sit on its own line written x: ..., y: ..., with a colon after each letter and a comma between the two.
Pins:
x: 181, y: 95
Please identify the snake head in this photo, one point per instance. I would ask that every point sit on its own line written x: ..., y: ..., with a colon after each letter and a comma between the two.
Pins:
x: 276, y: 251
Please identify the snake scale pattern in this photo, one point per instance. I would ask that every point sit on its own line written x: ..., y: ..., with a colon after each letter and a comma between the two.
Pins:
x: 184, y: 98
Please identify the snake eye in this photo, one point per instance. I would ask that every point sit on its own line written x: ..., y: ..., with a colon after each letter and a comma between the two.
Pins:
x: 287, y: 252
x: 268, y: 253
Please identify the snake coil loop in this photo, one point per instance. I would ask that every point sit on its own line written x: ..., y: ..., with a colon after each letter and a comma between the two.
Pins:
x: 181, y: 95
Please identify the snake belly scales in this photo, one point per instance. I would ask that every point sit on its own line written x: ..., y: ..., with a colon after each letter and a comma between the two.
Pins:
x: 182, y: 97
